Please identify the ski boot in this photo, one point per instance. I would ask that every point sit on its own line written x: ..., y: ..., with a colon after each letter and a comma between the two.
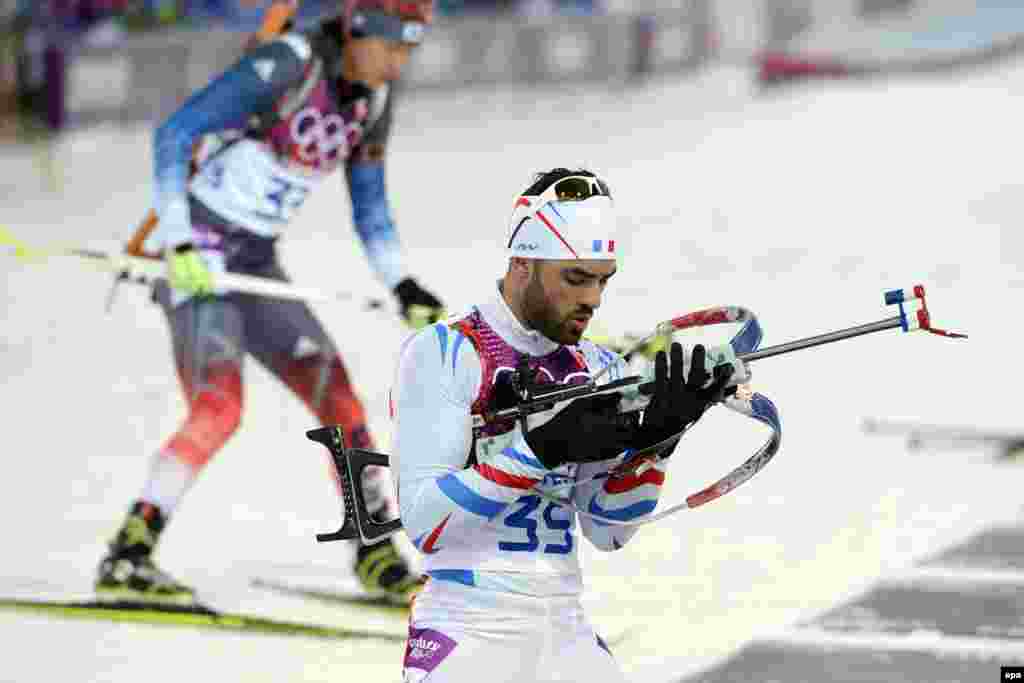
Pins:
x: 384, y: 573
x: 128, y: 574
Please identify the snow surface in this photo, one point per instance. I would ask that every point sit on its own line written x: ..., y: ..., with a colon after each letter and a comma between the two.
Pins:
x: 802, y: 205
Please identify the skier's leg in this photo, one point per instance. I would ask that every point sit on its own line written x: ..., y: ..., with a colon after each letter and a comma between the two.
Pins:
x: 582, y: 656
x: 464, y: 634
x: 208, y: 351
x: 287, y: 338
x: 453, y: 627
x: 323, y: 384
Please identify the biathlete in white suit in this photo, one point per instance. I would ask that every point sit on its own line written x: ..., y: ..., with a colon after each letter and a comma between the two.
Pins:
x: 503, y: 599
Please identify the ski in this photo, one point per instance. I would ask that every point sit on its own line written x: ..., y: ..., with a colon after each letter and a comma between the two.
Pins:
x: 192, y: 616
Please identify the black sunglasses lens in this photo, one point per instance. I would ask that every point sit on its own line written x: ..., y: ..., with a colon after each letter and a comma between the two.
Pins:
x: 578, y: 189
x: 571, y: 189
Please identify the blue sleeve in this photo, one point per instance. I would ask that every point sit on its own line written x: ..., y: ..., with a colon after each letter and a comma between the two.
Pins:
x: 251, y: 86
x: 371, y: 214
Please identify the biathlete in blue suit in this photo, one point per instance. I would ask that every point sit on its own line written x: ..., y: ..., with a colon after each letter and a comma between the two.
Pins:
x: 289, y: 113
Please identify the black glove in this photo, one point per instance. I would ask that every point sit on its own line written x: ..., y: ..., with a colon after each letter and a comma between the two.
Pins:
x: 675, y: 405
x: 587, y: 430
x: 419, y: 307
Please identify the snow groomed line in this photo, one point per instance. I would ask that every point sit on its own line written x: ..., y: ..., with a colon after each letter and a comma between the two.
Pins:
x: 954, y: 618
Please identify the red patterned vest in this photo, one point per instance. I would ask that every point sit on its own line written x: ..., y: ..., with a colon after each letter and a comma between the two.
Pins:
x: 564, y: 365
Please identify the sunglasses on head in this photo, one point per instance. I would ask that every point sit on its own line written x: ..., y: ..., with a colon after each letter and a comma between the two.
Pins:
x: 382, y: 25
x: 574, y: 188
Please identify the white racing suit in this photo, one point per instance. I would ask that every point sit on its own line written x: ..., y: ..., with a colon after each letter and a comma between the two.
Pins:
x: 503, y: 600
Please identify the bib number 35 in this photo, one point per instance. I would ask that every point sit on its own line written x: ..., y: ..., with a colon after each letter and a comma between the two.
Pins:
x: 523, y: 518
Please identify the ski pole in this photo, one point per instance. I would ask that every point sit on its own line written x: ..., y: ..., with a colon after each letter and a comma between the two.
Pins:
x: 147, y: 271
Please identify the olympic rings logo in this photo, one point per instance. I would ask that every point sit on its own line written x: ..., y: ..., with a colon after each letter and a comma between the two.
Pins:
x: 320, y: 140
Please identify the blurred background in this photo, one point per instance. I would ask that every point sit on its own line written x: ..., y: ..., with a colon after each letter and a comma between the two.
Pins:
x: 75, y: 62
x: 794, y: 156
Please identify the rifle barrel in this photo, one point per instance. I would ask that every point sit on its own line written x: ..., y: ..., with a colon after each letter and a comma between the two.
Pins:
x: 567, y: 393
x: 820, y: 339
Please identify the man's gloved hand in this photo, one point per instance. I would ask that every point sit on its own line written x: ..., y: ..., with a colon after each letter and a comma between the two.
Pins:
x: 186, y: 270
x: 588, y: 429
x: 676, y: 404
x: 419, y: 307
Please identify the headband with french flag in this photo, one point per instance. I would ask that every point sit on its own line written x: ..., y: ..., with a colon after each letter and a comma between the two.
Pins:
x: 563, y: 230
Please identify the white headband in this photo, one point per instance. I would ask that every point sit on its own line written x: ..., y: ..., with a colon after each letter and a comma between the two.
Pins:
x: 563, y: 230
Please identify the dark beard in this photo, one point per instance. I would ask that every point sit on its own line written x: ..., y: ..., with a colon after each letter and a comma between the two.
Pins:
x: 538, y: 314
